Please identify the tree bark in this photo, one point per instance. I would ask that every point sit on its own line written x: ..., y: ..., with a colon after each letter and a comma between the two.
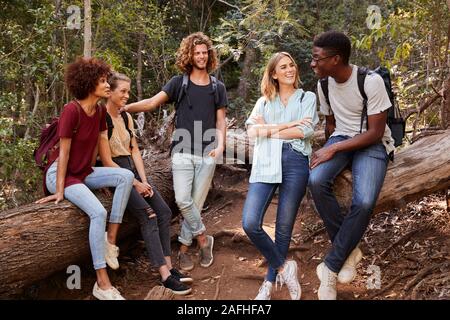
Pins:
x: 37, y: 240
x: 419, y: 170
x: 445, y: 104
x: 87, y: 29
x: 141, y: 115
x: 246, y: 75
x: 35, y: 108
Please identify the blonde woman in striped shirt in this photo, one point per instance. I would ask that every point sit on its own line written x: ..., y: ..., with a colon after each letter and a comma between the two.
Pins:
x: 282, y: 122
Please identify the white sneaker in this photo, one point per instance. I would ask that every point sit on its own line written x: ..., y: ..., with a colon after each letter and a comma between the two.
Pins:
x: 348, y: 271
x: 327, y: 289
x: 111, y: 254
x: 264, y: 291
x: 289, y: 277
x: 109, y: 294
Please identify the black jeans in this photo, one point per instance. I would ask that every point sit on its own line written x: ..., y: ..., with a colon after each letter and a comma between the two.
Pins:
x: 155, y: 230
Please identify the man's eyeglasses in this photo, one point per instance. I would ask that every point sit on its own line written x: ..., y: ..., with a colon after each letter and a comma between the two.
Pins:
x: 315, y: 59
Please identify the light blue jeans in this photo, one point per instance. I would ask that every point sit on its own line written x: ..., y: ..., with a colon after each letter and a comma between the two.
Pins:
x: 192, y: 177
x: 81, y: 196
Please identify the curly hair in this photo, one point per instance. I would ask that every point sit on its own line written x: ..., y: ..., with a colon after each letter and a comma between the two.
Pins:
x: 83, y: 75
x: 186, y: 50
x: 269, y: 85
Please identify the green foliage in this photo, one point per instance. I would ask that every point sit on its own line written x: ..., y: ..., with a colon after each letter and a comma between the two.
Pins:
x: 35, y: 46
x: 412, y: 43
x: 19, y: 175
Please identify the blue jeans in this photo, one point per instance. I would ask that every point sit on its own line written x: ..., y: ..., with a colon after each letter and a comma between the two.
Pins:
x: 368, y: 167
x: 81, y: 196
x: 295, y: 173
x: 192, y: 177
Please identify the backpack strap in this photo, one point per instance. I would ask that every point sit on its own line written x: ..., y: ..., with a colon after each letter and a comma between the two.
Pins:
x: 79, y: 116
x: 126, y: 120
x: 215, y: 90
x: 303, y: 95
x: 183, y: 90
x: 324, y: 86
x: 109, y: 124
x: 361, y: 77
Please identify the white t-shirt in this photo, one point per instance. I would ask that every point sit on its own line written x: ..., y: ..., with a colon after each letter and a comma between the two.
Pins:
x: 347, y: 104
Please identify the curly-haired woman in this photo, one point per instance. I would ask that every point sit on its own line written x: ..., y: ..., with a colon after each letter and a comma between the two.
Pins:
x: 199, y: 138
x: 71, y: 174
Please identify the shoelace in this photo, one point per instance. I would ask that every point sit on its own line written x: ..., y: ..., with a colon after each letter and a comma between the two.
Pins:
x: 282, y: 281
x: 264, y: 290
x: 331, y: 280
x: 114, y: 250
x: 115, y: 293
x: 279, y: 280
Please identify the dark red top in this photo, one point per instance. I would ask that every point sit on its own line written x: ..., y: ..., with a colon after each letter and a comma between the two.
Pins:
x: 84, y: 140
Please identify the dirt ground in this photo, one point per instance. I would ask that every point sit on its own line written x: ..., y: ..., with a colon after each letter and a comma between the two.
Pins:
x: 406, y: 254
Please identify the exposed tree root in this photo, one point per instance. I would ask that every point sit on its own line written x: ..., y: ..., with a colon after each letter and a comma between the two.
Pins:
x: 159, y: 293
x: 216, y: 295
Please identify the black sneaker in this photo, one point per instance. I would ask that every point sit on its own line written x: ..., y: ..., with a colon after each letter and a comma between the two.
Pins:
x: 181, y: 277
x: 176, y: 286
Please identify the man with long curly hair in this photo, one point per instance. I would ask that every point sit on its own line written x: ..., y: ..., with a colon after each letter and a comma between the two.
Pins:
x: 199, y: 138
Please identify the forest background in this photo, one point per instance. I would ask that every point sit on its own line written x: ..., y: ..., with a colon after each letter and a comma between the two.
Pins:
x: 140, y: 38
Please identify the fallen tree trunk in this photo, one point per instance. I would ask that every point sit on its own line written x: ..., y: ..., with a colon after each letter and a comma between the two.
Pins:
x: 417, y: 171
x: 37, y: 240
x: 239, y: 146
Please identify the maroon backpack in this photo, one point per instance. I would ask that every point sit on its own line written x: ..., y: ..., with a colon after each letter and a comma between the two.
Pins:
x: 49, y: 142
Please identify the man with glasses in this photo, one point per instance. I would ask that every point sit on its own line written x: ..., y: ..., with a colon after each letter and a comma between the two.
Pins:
x: 355, y: 140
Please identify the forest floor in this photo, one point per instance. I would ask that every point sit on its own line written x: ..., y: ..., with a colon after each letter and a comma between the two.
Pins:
x: 406, y: 254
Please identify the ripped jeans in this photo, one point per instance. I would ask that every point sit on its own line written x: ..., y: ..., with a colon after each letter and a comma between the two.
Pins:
x: 155, y: 229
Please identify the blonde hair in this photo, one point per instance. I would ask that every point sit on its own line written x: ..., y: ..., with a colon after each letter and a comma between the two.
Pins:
x: 115, y: 77
x: 269, y: 85
x: 186, y: 50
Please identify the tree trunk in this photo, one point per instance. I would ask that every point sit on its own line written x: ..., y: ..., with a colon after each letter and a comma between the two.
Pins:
x: 246, y: 75
x: 37, y: 240
x: 419, y: 170
x: 239, y: 146
x: 445, y: 104
x: 33, y: 113
x: 141, y: 115
x: 87, y: 29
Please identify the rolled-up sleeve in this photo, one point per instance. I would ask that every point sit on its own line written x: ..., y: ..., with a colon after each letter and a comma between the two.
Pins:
x: 309, y: 106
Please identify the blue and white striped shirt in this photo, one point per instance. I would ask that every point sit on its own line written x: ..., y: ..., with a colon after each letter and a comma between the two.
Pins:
x: 266, y: 165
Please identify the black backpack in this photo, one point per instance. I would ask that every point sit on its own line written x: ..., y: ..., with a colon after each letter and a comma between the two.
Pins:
x: 111, y: 126
x: 395, y: 120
